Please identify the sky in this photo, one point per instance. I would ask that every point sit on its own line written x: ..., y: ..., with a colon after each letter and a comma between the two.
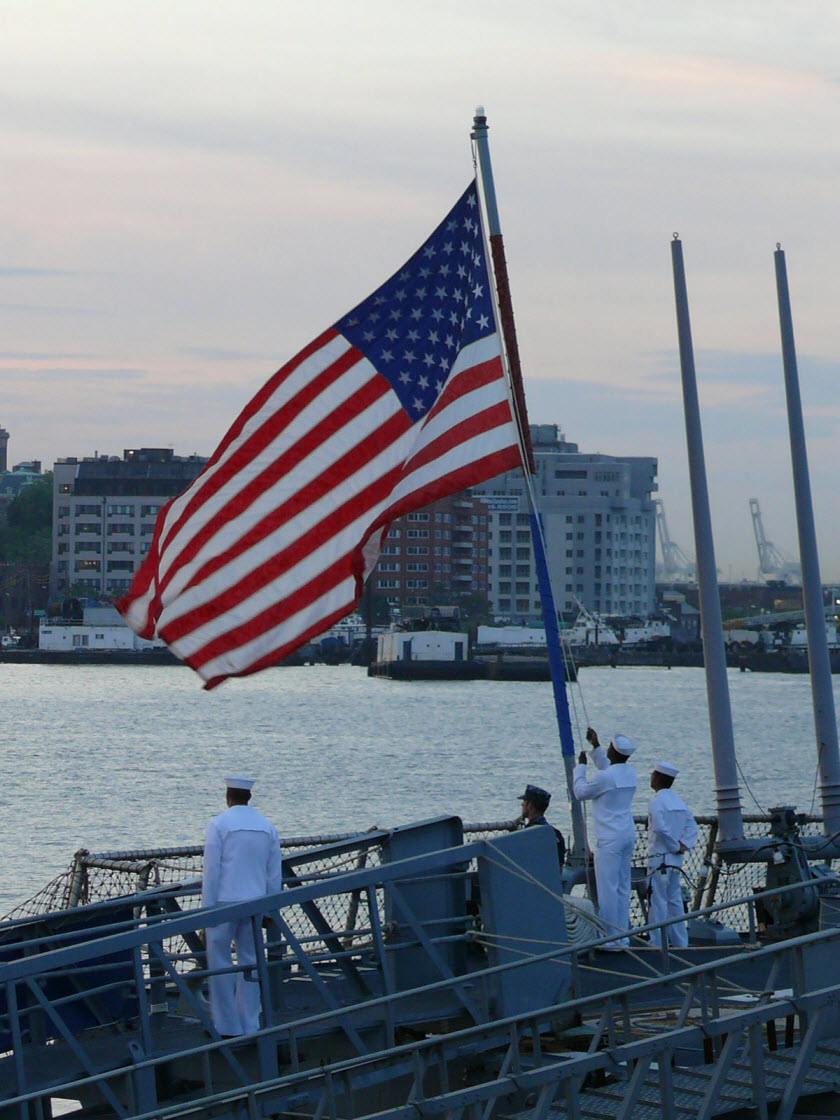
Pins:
x: 191, y: 191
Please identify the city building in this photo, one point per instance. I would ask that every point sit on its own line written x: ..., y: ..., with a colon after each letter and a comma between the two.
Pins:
x: 600, y: 530
x: 435, y: 555
x: 18, y: 478
x: 104, y: 512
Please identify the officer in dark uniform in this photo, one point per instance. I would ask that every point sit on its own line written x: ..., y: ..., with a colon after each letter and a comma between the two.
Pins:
x: 535, y: 801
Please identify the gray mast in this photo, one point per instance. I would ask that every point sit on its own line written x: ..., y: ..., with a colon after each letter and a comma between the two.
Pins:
x: 728, y: 796
x: 825, y: 721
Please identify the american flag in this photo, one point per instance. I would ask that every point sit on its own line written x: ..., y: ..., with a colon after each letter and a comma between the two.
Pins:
x: 401, y: 402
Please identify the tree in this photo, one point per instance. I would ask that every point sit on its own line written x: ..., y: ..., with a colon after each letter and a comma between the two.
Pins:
x: 26, y: 538
x: 474, y: 608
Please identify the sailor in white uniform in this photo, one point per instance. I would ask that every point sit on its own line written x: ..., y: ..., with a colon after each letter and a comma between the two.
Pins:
x: 671, y: 832
x: 611, y: 791
x: 241, y: 861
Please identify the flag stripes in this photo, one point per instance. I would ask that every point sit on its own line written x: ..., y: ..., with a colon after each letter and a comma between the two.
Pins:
x: 270, y: 544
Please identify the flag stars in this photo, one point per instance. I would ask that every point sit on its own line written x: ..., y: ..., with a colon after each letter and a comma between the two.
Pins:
x: 413, y: 328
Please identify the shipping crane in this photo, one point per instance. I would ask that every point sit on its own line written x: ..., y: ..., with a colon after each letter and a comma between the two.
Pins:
x: 771, y: 564
x: 675, y: 563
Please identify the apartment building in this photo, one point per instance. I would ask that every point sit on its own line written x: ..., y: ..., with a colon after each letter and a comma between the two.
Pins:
x: 436, y: 554
x: 104, y: 512
x: 600, y: 530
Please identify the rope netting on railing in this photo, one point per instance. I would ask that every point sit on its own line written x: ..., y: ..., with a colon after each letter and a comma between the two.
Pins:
x: 94, y: 877
x: 707, y: 879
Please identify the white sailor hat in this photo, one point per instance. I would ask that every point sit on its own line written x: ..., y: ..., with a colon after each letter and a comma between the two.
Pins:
x: 666, y: 768
x: 239, y: 781
x: 623, y: 745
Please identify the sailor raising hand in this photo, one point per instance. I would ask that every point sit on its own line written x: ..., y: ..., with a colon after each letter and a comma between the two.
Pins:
x: 611, y: 791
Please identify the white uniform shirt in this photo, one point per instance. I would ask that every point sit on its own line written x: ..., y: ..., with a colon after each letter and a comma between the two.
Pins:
x: 241, y: 857
x: 670, y: 823
x: 611, y: 792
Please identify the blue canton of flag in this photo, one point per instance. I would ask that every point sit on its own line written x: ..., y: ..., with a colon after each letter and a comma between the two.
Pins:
x: 414, y: 326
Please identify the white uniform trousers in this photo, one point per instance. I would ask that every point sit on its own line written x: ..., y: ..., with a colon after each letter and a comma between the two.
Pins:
x: 666, y: 901
x: 234, y: 1000
x: 612, y: 882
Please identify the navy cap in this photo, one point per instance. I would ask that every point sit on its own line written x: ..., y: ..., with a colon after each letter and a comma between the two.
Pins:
x: 537, y: 795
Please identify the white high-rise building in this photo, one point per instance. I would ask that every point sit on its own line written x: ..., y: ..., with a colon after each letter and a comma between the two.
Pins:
x: 600, y: 529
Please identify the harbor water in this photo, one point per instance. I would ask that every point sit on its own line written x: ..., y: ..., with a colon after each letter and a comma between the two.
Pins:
x: 113, y: 757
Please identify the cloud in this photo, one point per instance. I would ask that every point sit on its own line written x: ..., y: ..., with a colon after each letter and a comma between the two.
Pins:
x: 21, y: 270
x: 65, y: 374
x: 218, y: 354
x: 49, y: 309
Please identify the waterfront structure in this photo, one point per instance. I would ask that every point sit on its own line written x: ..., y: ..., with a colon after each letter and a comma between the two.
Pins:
x: 599, y: 520
x: 104, y: 513
x: 436, y: 554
